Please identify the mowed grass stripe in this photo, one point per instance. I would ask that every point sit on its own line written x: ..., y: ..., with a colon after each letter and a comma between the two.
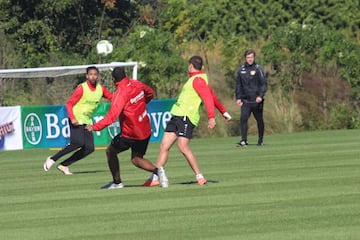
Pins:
x: 298, y: 186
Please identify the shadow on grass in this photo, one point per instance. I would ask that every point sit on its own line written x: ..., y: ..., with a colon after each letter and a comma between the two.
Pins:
x: 181, y: 183
x: 89, y: 172
x: 194, y: 182
x: 249, y: 145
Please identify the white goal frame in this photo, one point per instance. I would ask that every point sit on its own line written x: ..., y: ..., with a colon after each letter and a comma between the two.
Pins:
x: 59, y: 71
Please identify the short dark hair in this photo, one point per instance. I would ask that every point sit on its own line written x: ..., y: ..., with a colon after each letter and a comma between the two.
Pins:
x: 249, y: 51
x: 197, y: 62
x: 92, y: 68
x: 118, y: 74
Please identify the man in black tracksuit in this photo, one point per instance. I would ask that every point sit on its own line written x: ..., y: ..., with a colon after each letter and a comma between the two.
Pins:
x: 250, y: 90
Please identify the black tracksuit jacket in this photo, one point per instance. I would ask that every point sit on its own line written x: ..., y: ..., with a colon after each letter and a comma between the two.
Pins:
x: 250, y: 82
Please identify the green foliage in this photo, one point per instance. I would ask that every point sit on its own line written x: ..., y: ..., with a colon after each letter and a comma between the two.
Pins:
x: 343, y: 116
x: 292, y: 39
x: 296, y: 50
x: 44, y: 28
x: 159, y: 57
x: 17, y: 94
x: 346, y: 54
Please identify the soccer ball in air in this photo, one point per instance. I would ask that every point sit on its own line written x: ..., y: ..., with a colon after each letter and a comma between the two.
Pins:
x: 104, y: 47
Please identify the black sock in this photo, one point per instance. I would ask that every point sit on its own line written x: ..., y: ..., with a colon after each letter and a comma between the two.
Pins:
x: 155, y: 171
x: 117, y: 181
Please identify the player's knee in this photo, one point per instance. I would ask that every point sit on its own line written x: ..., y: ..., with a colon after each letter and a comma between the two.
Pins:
x: 111, y: 151
x: 136, y: 161
x: 183, y: 148
x: 243, y: 119
x: 76, y: 144
x: 89, y: 149
x: 164, y: 148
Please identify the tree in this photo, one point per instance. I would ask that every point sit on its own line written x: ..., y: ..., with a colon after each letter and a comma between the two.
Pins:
x: 159, y: 57
x: 46, y: 30
x: 296, y: 51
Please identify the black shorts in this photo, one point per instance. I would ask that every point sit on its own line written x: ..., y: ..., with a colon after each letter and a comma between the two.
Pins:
x: 80, y: 136
x: 181, y: 126
x: 138, y: 147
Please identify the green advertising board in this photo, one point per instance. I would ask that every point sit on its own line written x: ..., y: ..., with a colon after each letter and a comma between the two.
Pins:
x: 48, y: 126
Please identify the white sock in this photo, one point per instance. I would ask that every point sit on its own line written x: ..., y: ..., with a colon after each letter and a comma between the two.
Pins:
x: 199, y: 176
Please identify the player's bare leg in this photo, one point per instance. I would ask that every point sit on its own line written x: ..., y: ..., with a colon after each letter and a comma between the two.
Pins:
x: 114, y: 167
x: 143, y: 163
x: 184, y: 147
x: 168, y: 140
x: 113, y: 163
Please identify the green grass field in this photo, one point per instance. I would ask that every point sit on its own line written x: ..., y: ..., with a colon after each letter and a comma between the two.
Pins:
x: 298, y: 186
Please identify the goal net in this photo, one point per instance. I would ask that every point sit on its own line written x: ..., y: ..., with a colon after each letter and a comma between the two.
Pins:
x: 60, y: 81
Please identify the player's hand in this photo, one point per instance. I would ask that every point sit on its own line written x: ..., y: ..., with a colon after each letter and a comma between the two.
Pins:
x: 227, y: 116
x: 258, y: 99
x: 74, y: 122
x: 211, y: 123
x: 239, y: 102
x: 89, y: 128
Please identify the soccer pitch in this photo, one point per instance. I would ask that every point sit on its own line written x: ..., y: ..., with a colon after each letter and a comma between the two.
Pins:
x: 298, y: 186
